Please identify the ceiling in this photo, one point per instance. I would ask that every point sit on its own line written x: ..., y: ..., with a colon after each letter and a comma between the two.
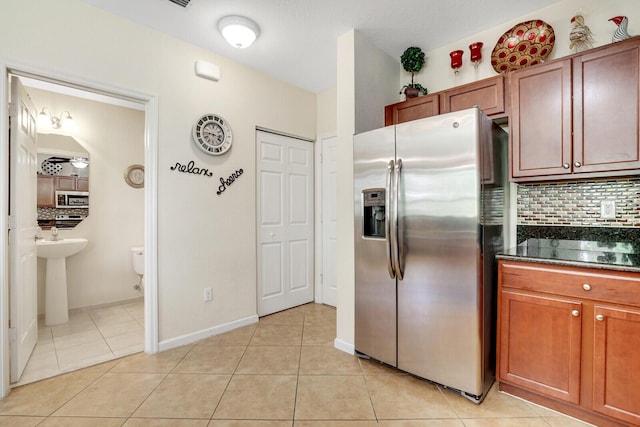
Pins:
x: 298, y: 40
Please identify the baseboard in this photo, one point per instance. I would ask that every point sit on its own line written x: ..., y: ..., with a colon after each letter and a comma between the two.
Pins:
x: 206, y: 333
x: 345, y: 346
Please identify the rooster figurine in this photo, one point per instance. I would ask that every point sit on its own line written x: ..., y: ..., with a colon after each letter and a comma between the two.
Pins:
x: 621, y: 32
x: 580, y: 35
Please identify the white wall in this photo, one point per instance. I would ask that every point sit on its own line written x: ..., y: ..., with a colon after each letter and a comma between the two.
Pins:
x: 365, y: 81
x: 204, y: 240
x: 326, y: 120
x: 437, y: 75
x: 114, y: 138
x: 374, y: 74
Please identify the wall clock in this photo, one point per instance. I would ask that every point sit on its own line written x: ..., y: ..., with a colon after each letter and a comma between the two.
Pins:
x: 134, y: 176
x: 212, y: 134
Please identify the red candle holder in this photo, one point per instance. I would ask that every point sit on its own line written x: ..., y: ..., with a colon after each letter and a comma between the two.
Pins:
x: 476, y: 53
x: 456, y: 60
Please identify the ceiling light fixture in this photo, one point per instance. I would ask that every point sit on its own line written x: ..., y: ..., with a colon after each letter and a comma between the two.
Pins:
x: 80, y: 162
x: 238, y: 31
x: 47, y: 121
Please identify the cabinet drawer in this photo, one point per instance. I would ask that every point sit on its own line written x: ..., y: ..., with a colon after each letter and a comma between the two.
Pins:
x: 602, y: 285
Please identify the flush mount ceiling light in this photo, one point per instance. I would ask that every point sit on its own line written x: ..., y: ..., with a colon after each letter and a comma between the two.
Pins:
x: 238, y: 31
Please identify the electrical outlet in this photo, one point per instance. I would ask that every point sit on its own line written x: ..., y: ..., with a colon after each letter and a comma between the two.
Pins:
x: 608, y: 209
x: 208, y: 294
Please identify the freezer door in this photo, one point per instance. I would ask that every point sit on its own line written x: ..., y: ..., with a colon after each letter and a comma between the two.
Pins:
x: 375, y: 289
x: 439, y: 323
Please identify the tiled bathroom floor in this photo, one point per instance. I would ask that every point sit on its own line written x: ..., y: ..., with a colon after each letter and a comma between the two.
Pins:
x: 88, y: 338
x: 282, y: 372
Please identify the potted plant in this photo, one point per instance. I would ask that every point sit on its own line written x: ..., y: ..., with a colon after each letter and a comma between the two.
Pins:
x: 412, y: 61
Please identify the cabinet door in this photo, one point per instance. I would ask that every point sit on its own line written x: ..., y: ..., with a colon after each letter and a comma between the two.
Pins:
x: 606, y: 112
x: 82, y: 184
x: 46, y: 191
x: 540, y: 339
x: 616, y: 364
x: 487, y: 94
x: 412, y: 109
x: 65, y: 183
x: 541, y: 120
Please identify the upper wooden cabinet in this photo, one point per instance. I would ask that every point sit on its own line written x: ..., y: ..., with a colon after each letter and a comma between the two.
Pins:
x: 46, y: 191
x: 49, y: 184
x: 66, y: 183
x: 487, y: 94
x: 412, y: 109
x: 577, y: 117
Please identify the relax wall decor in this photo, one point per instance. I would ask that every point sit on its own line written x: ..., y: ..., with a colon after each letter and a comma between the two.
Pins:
x: 191, y: 168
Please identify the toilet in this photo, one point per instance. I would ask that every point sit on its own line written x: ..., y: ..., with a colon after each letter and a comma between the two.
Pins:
x: 137, y: 259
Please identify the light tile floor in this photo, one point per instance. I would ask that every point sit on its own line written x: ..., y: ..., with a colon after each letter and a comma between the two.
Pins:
x: 89, y: 337
x: 281, y: 372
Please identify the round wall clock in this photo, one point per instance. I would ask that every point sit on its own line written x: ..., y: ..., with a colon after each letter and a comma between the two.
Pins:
x: 212, y: 134
x: 134, y: 176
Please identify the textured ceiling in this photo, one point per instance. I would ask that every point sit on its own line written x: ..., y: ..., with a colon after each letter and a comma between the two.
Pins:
x: 298, y: 38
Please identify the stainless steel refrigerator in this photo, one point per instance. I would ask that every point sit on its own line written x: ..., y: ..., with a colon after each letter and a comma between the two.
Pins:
x: 429, y: 207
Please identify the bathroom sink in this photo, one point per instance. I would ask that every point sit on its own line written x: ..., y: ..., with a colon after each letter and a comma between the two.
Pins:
x: 60, y: 248
x: 56, y: 252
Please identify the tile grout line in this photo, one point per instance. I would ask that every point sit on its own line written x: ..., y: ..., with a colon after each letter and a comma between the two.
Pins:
x: 226, y: 387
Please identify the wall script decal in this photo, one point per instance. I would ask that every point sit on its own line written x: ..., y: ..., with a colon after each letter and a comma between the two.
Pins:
x: 191, y: 168
x: 224, y: 183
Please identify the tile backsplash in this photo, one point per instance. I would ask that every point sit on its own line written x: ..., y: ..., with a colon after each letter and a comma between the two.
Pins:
x: 577, y: 203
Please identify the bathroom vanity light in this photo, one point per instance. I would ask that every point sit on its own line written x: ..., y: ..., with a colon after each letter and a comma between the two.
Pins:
x: 48, y: 121
x: 238, y: 31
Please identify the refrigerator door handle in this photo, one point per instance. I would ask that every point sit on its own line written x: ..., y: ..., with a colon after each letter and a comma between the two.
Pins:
x: 395, y: 232
x: 387, y: 222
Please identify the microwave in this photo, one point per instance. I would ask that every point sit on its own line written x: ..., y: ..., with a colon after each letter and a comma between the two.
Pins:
x: 72, y: 199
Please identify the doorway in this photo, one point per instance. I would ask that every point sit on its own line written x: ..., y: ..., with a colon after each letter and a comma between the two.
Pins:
x: 150, y: 160
x: 326, y: 264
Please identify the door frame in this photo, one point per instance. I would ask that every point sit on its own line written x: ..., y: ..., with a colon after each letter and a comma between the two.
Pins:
x: 150, y: 101
x: 319, y: 260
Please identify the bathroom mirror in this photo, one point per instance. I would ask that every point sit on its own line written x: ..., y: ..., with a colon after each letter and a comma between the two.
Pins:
x: 63, y: 181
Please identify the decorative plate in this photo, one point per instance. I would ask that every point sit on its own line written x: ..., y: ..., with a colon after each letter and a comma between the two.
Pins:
x: 134, y: 176
x: 51, y: 168
x: 523, y: 45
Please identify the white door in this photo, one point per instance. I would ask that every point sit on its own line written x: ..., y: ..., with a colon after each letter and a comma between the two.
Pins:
x: 23, y: 318
x: 284, y: 222
x: 328, y: 201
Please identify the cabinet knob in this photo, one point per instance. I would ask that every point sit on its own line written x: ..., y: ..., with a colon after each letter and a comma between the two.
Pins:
x: 577, y: 164
x: 586, y: 287
x: 599, y: 317
x: 566, y: 165
x: 575, y: 313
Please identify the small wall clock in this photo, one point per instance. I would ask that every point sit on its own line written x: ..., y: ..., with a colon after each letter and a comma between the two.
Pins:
x: 212, y: 134
x: 134, y: 176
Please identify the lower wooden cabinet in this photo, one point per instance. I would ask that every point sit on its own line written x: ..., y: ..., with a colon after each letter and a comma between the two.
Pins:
x: 569, y: 339
x: 616, y: 363
x: 540, y: 344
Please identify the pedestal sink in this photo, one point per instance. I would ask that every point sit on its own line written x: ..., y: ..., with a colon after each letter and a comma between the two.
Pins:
x: 56, y: 309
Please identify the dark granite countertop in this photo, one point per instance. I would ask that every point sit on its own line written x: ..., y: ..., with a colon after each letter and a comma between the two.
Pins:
x: 577, y: 253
